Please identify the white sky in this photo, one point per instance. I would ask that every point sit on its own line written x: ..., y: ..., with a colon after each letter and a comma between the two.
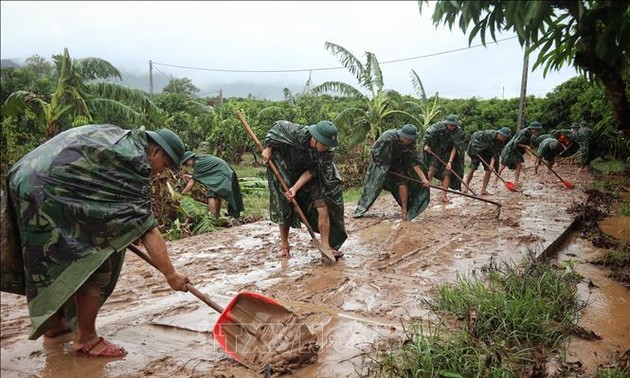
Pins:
x: 270, y: 35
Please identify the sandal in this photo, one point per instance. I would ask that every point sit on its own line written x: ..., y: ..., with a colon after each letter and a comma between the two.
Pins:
x: 285, y: 252
x: 101, y: 348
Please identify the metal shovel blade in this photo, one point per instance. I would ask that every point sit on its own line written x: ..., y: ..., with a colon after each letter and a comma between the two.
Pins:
x: 257, y: 332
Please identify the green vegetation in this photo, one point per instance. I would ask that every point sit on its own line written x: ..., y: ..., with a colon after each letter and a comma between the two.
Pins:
x: 500, y: 323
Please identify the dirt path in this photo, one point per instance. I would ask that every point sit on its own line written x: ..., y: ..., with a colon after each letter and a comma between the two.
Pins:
x: 389, y: 267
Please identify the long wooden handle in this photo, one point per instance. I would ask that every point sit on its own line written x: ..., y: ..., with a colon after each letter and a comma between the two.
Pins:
x: 546, y: 165
x: 452, y: 171
x: 204, y: 298
x: 298, y: 210
x: 447, y: 190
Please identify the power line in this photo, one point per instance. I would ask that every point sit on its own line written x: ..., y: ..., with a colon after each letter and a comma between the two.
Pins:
x: 326, y: 68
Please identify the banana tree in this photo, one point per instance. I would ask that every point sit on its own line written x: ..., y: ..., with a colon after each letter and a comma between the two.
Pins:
x: 364, y: 123
x: 79, y: 95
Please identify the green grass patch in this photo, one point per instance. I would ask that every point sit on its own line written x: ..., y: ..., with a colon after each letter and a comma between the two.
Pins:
x: 500, y: 318
x: 610, y: 166
x: 625, y: 209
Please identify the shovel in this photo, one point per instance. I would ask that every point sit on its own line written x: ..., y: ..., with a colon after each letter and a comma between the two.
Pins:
x: 253, y: 329
x: 296, y: 206
x: 452, y: 171
x: 447, y: 190
x: 567, y: 184
x: 509, y: 185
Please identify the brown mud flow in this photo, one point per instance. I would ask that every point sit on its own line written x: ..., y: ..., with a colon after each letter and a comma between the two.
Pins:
x: 389, y: 268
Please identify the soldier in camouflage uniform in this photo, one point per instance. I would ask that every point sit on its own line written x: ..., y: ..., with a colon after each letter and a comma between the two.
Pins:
x: 592, y: 145
x: 446, y: 140
x: 219, y: 179
x: 512, y: 153
x: 548, y: 150
x: 304, y: 158
x: 395, y: 151
x: 487, y: 144
x: 75, y: 203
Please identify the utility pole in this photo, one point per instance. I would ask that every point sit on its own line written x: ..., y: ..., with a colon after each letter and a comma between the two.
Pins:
x: 521, y: 104
x: 221, y: 97
x: 151, y: 77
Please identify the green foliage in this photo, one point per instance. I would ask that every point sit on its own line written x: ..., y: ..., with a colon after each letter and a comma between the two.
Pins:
x: 591, y: 35
x: 500, y: 320
x: 182, y: 86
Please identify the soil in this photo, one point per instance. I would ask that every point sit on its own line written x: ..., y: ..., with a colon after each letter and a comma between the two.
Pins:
x: 389, y: 268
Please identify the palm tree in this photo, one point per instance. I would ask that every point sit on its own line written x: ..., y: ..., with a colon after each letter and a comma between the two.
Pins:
x: 80, y: 94
x: 427, y: 110
x: 364, y: 124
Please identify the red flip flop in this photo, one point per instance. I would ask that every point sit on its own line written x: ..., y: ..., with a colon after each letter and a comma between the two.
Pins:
x: 103, y: 349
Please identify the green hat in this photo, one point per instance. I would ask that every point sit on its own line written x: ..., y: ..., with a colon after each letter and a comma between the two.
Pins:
x: 408, y: 131
x: 534, y: 125
x: 324, y: 132
x: 187, y: 155
x: 170, y: 143
x: 452, y: 119
x: 574, y: 125
x: 505, y: 131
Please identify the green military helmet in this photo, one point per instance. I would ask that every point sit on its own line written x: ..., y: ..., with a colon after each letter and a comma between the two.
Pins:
x: 575, y: 125
x: 187, y: 155
x: 408, y: 131
x: 170, y: 143
x: 505, y: 131
x: 534, y: 125
x: 451, y: 119
x: 324, y: 132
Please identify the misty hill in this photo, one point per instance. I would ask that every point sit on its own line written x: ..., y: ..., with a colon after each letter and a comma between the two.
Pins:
x: 235, y: 89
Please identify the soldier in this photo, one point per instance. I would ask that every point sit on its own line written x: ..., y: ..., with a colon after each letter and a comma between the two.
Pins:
x: 219, y: 179
x: 304, y: 157
x: 512, y: 153
x: 487, y: 144
x: 76, y: 202
x: 393, y: 154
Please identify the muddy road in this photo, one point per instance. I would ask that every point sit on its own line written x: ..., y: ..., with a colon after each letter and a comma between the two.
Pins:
x: 388, y: 268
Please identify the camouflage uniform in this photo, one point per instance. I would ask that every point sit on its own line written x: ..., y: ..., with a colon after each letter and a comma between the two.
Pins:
x: 484, y: 143
x: 293, y: 156
x: 549, y: 149
x: 442, y: 140
x: 76, y: 202
x: 391, y: 155
x: 511, y: 154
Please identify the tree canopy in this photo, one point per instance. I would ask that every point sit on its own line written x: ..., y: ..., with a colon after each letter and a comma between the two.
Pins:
x: 591, y: 35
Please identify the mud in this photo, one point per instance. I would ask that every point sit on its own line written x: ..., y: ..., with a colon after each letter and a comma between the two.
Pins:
x: 389, y: 268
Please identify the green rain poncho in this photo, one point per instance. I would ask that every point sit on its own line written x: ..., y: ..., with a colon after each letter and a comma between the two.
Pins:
x: 386, y: 152
x: 591, y: 144
x: 441, y: 140
x: 511, y: 153
x: 74, y: 202
x: 293, y: 156
x: 484, y: 143
x: 549, y: 149
x: 535, y: 141
x: 219, y: 178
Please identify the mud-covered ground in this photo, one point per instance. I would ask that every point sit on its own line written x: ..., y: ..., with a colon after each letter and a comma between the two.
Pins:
x: 388, y: 268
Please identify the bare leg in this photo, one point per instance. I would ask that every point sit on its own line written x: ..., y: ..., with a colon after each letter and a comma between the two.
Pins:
x: 445, y: 183
x: 467, y: 180
x: 484, y: 185
x: 214, y: 206
x: 403, y: 192
x: 88, y: 301
x: 323, y: 221
x: 517, y: 173
x: 284, y: 240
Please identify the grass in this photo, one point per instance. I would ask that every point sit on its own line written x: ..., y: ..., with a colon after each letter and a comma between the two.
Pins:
x: 501, y: 321
x: 610, y: 166
x: 625, y: 209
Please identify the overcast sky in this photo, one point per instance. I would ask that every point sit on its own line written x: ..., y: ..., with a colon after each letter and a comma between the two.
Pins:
x: 268, y: 35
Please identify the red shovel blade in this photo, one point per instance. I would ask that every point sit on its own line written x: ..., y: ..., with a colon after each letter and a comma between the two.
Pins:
x: 253, y: 329
x: 568, y: 185
x: 510, y: 186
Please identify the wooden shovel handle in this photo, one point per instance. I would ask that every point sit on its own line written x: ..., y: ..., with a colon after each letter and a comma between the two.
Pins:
x: 447, y: 190
x: 298, y: 210
x: 452, y: 171
x: 204, y: 298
